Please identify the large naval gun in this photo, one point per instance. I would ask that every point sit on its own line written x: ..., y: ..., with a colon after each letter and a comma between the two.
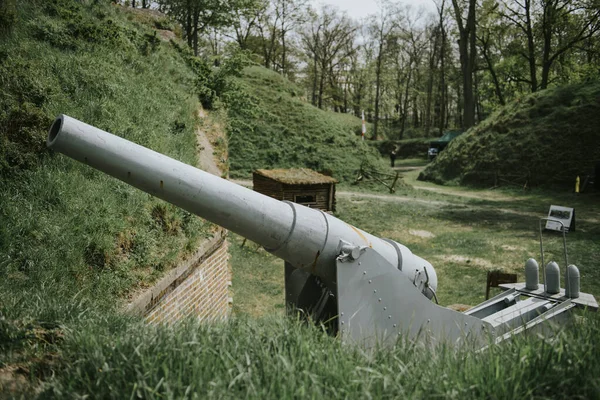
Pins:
x: 371, y: 290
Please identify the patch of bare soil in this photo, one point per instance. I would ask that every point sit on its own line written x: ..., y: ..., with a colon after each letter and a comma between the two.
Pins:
x: 508, y: 247
x: 166, y: 35
x: 143, y: 11
x: 406, y: 169
x: 479, y: 195
x: 399, y: 199
x: 459, y: 307
x: 206, y: 150
x: 421, y: 233
x: 458, y: 259
x: 12, y: 380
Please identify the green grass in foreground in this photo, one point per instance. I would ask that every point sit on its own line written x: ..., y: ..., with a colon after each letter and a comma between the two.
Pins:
x: 280, y: 358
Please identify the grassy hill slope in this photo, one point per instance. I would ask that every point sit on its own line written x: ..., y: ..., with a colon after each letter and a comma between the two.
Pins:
x: 547, y: 137
x: 275, y: 128
x: 73, y: 240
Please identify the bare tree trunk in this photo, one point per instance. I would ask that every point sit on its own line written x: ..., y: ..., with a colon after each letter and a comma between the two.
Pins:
x: 443, y: 89
x: 432, y: 68
x: 405, y: 105
x: 466, y: 45
x: 188, y: 24
x: 314, y: 83
x: 530, y: 47
x: 195, y: 19
x: 459, y: 108
x: 490, y: 65
x: 321, y: 88
x: 478, y: 106
x: 283, y: 50
x: 415, y: 110
x: 377, y: 87
x: 547, y: 33
x: 346, y: 95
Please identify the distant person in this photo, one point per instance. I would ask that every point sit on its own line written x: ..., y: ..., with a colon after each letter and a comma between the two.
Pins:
x: 393, y: 156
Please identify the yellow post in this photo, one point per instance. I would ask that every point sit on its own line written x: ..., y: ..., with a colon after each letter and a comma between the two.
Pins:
x: 577, y: 184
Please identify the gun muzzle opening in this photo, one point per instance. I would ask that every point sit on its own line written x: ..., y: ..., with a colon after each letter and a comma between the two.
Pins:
x: 55, y: 129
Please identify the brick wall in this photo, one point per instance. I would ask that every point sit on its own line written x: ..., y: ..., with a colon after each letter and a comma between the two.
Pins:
x: 198, y: 287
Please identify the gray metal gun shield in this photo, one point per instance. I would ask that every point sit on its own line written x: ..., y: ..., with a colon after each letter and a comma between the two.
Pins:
x: 377, y: 303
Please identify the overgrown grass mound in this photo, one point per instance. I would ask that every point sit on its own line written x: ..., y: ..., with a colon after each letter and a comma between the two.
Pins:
x: 72, y: 238
x: 273, y: 127
x: 544, y: 138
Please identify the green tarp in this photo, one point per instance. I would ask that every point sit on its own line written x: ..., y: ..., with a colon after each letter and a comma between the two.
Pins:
x: 445, y: 139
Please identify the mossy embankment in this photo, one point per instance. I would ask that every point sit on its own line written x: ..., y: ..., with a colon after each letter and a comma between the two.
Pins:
x: 276, y: 128
x: 73, y: 240
x: 549, y: 137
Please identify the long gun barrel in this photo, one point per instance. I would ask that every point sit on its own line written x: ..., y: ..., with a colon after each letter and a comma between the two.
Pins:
x: 373, y: 289
x: 306, y: 238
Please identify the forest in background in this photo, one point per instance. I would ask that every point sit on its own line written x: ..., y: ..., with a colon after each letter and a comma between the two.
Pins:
x: 414, y: 73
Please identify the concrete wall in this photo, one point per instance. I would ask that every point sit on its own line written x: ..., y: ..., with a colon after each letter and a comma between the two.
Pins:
x: 198, y: 287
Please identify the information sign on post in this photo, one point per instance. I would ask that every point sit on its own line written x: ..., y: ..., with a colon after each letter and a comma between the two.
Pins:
x: 565, y: 215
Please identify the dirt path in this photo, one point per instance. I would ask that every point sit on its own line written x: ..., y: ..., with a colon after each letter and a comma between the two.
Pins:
x: 406, y: 199
x: 410, y: 176
x: 469, y: 195
x: 391, y: 198
x: 398, y: 198
x: 206, y: 150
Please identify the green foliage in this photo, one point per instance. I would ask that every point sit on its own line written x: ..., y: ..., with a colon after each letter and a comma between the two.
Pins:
x: 22, y: 137
x: 547, y: 137
x: 271, y: 127
x: 216, y: 85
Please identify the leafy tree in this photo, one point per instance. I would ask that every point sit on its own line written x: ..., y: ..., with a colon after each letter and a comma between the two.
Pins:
x: 468, y: 53
x: 197, y: 16
x: 556, y: 27
x: 381, y: 29
x: 329, y: 41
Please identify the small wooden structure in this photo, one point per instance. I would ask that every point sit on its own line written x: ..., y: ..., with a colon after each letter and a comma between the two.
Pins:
x: 303, y: 186
x: 496, y: 278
